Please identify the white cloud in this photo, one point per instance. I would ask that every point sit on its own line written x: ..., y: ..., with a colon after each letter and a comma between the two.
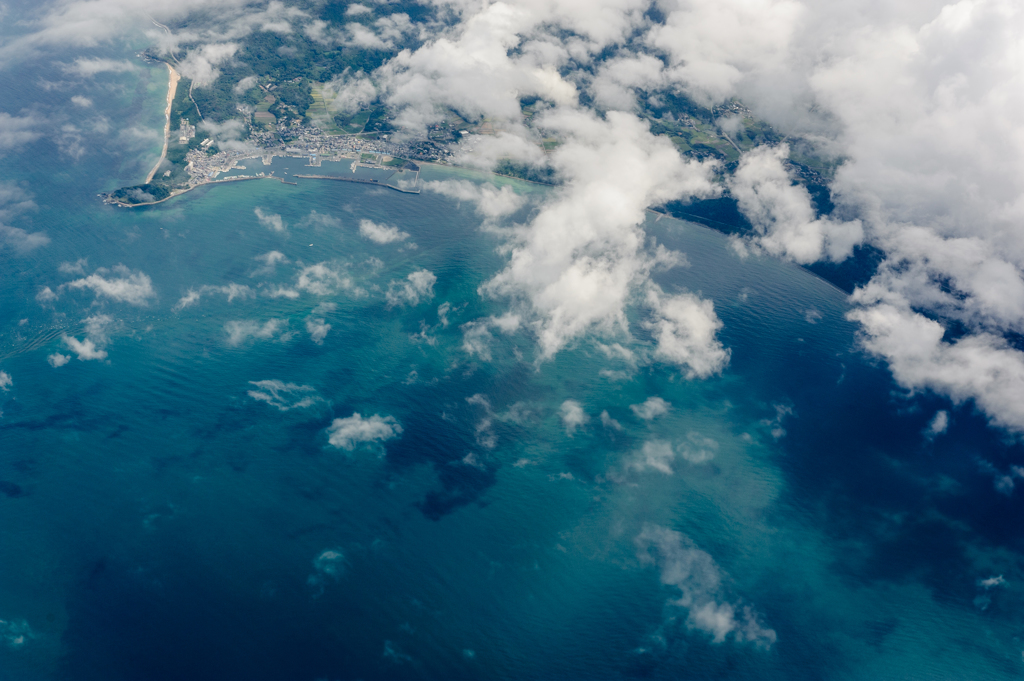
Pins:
x: 317, y: 328
x: 782, y: 213
x: 608, y: 422
x: 349, y: 92
x: 323, y: 279
x: 271, y: 221
x: 284, y: 396
x: 58, y: 360
x: 90, y: 67
x: 77, y: 267
x: 330, y: 563
x: 134, y: 288
x: 79, y: 100
x: 576, y: 264
x: 5, y: 381
x: 418, y: 285
x: 21, y: 240
x: 476, y: 335
x: 490, y: 201
x: 697, y: 448
x: 200, y: 64
x: 651, y: 408
x: 684, y: 328
x: 228, y: 135
x: 46, y: 295
x: 349, y: 432
x: 190, y: 298
x: 240, y: 331
x: 656, y: 454
x: 244, y: 85
x: 231, y: 291
x: 92, y: 347
x: 16, y: 131
x: 938, y: 425
x: 85, y: 349
x: 573, y: 416
x: 270, y: 260
x: 381, y: 234
x: 15, y: 633
x: 699, y: 581
x: 982, y: 366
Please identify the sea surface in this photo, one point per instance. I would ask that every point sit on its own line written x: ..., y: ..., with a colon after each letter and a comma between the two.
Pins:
x: 176, y: 510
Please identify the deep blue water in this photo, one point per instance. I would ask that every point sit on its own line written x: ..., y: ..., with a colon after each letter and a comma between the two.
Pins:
x: 158, y: 522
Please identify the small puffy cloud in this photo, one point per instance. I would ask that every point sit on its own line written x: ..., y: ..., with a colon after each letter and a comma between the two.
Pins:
x: 980, y: 366
x: 201, y: 63
x: 58, y: 360
x: 134, y: 288
x: 240, y: 331
x: 349, y: 92
x: 231, y: 291
x: 228, y: 135
x: 781, y: 211
x: 659, y: 454
x: 271, y: 221
x: 190, y: 298
x: 329, y: 564
x: 694, y: 573
x: 77, y: 267
x: 684, y: 328
x: 323, y: 279
x: 317, y: 327
x: 348, y: 433
x: 490, y: 201
x: 79, y: 100
x: 476, y: 335
x: 656, y: 454
x: 21, y: 240
x: 15, y: 633
x: 418, y: 285
x: 85, y: 349
x: 244, y: 85
x: 5, y: 381
x: 651, y: 408
x: 697, y: 448
x: 381, y: 234
x: 16, y: 131
x: 270, y: 260
x: 284, y: 396
x: 573, y: 417
x: 618, y: 78
x: 356, y: 9
x: 90, y: 67
x: 608, y: 422
x: 46, y: 295
x: 938, y: 425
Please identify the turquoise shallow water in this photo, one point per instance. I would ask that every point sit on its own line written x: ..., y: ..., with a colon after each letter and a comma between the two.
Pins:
x: 158, y: 521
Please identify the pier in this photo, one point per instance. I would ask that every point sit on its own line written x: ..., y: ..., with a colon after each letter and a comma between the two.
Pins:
x: 358, y: 180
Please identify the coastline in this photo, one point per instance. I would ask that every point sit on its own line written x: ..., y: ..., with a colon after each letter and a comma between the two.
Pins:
x: 172, y: 87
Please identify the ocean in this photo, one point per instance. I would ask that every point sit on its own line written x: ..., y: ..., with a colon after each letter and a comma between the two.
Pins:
x: 176, y: 509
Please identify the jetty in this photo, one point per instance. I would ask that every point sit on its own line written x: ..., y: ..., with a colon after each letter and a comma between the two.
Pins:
x: 361, y: 180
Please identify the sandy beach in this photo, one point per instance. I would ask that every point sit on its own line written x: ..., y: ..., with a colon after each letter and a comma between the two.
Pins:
x: 172, y: 87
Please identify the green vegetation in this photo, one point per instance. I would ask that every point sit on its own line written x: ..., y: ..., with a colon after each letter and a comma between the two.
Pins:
x: 367, y: 158
x: 378, y: 121
x: 524, y: 172
x: 143, y: 193
x: 353, y: 124
x: 396, y: 162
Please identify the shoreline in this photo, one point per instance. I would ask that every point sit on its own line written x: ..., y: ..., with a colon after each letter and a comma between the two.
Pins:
x: 172, y: 88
